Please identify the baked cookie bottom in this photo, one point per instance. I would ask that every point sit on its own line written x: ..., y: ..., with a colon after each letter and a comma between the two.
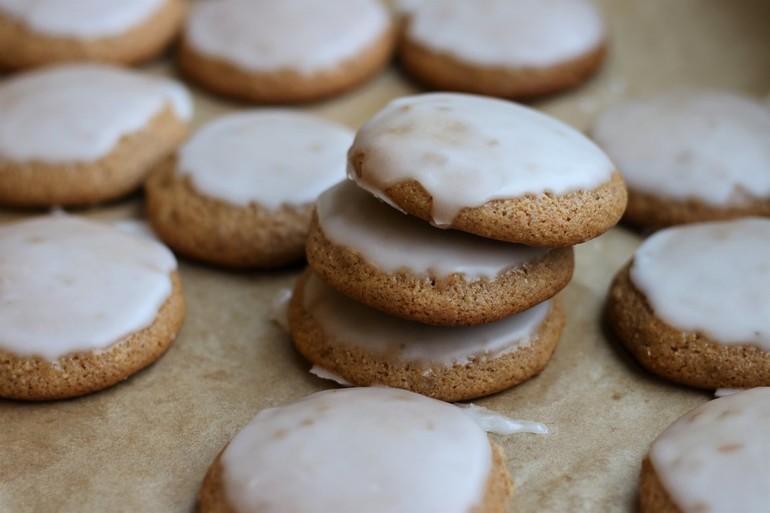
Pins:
x: 76, y: 374
x: 689, y: 358
x: 447, y: 300
x: 43, y: 184
x: 653, y: 498
x: 22, y: 47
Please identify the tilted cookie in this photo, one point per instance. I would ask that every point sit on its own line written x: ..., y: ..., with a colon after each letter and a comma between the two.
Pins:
x: 404, y: 266
x: 83, y: 306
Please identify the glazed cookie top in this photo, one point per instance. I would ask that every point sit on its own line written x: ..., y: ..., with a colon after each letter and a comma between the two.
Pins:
x: 709, y: 277
x: 73, y: 285
x: 83, y: 19
x: 508, y: 33
x: 393, y: 241
x: 305, y: 37
x: 79, y: 112
x: 467, y: 150
x: 268, y: 156
x: 717, y: 457
x: 709, y: 145
x: 353, y: 323
x: 358, y: 449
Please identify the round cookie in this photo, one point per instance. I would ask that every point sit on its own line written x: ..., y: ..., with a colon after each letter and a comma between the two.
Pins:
x: 506, y: 48
x: 367, y: 347
x: 488, y: 167
x: 403, y: 266
x: 692, y: 306
x: 38, y: 32
x: 288, y: 51
x: 378, y: 450
x: 87, y: 133
x: 714, y: 458
x: 689, y: 156
x: 83, y: 306
x: 240, y: 192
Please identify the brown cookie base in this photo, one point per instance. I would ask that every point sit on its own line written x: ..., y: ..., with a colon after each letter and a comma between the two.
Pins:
x: 211, y: 230
x: 447, y: 300
x: 456, y: 383
x: 284, y: 85
x: 653, y: 498
x: 43, y: 184
x: 689, y: 358
x: 36, y: 379
x: 22, y: 47
x: 212, y: 497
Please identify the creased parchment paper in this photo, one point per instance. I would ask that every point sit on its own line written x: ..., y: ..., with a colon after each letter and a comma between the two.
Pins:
x: 145, y: 444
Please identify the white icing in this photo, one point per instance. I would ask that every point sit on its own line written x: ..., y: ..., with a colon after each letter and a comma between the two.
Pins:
x: 392, y: 241
x: 716, y: 458
x: 266, y: 35
x: 354, y: 324
x: 358, y: 449
x: 508, y: 33
x: 497, y: 423
x: 327, y: 374
x: 713, y: 146
x: 84, y: 19
x: 136, y: 227
x: 723, y: 392
x: 69, y: 285
x: 271, y: 157
x: 711, y: 278
x: 279, y: 308
x: 467, y: 150
x: 79, y: 112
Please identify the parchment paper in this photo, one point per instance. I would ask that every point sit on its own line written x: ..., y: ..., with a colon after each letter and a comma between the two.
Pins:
x: 145, y: 444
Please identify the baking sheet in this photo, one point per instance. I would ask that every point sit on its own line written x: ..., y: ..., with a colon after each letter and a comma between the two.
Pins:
x: 145, y: 444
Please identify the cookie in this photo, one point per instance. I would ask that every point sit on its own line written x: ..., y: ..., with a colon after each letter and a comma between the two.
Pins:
x: 83, y: 306
x: 240, y: 192
x: 403, y: 266
x: 87, y: 133
x: 367, y: 347
x: 505, y: 48
x: 692, y: 306
x: 289, y: 51
x: 714, y: 458
x: 488, y: 167
x: 359, y: 449
x: 689, y: 156
x: 38, y: 32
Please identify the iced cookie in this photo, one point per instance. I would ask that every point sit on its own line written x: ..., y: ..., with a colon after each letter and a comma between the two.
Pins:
x: 506, y: 48
x: 288, y: 51
x: 367, y: 347
x: 488, y: 167
x: 402, y: 265
x: 715, y: 458
x: 241, y: 191
x: 82, y: 306
x: 38, y: 32
x: 693, y: 304
x: 689, y: 156
x: 87, y: 133
x: 378, y: 450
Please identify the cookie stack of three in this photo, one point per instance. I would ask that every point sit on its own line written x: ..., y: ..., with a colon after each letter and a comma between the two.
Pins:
x: 435, y: 267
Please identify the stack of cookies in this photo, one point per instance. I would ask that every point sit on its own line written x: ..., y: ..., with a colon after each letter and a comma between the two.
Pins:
x: 450, y: 293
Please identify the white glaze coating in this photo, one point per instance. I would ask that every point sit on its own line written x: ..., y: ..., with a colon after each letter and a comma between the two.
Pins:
x: 271, y: 157
x: 71, y: 285
x: 354, y: 324
x: 716, y: 458
x: 392, y: 241
x: 710, y: 145
x: 358, y: 449
x: 265, y: 35
x: 710, y: 277
x: 79, y: 112
x: 507, y: 33
x: 467, y: 150
x: 497, y: 423
x: 82, y: 19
